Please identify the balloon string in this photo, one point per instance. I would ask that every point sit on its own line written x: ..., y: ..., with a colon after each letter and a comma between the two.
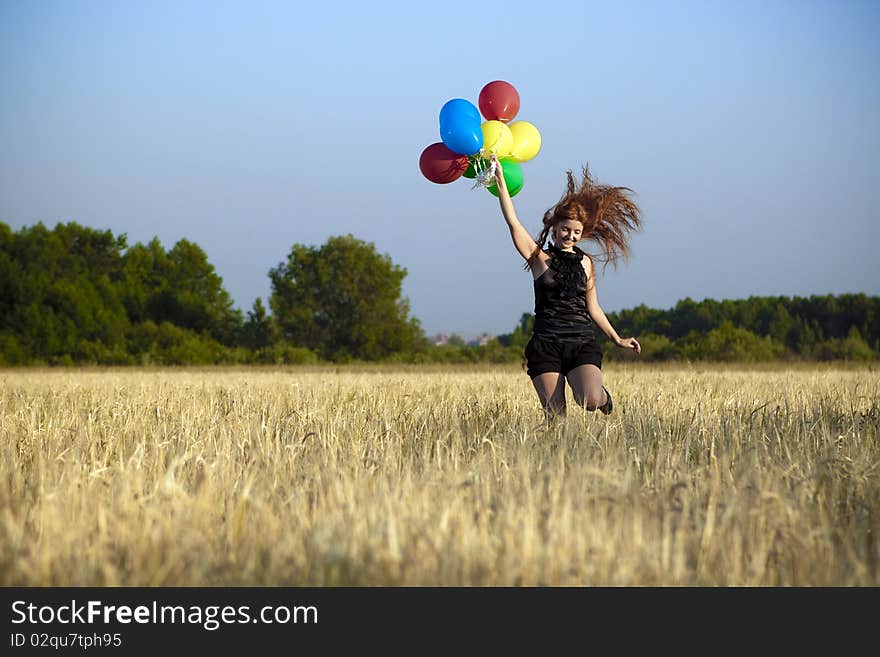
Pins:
x: 484, y: 174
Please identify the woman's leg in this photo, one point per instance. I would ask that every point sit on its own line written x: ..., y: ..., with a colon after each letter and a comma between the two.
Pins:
x: 586, y: 386
x: 550, y: 387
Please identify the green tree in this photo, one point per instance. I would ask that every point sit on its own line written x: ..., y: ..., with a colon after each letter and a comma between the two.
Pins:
x: 259, y: 329
x: 76, y: 294
x: 730, y: 343
x: 852, y: 347
x: 521, y: 334
x: 58, y: 293
x: 781, y: 325
x: 654, y: 347
x: 343, y: 301
x: 180, y: 287
x: 456, y: 340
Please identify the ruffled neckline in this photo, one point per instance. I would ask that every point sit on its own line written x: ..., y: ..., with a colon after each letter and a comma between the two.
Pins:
x: 568, y: 272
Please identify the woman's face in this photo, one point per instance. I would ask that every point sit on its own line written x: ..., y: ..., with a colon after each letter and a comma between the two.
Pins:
x: 567, y: 233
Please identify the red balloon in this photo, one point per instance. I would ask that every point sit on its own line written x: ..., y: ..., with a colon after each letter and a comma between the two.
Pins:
x: 499, y: 101
x: 440, y: 165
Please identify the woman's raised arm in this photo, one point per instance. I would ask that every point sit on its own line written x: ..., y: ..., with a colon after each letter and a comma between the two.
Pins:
x: 523, y: 242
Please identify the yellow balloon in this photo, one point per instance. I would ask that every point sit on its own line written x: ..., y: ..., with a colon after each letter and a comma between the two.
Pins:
x: 497, y: 138
x: 526, y: 141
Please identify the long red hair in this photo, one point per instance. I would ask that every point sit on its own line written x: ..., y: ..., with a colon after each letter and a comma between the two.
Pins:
x: 607, y: 214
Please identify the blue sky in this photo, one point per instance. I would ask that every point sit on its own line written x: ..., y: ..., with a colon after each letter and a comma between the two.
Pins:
x: 750, y: 132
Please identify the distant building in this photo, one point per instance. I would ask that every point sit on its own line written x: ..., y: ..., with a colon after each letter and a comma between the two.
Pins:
x: 440, y: 339
x: 481, y: 340
x: 456, y: 340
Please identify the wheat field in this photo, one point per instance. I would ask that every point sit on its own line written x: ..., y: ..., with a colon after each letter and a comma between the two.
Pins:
x: 704, y: 475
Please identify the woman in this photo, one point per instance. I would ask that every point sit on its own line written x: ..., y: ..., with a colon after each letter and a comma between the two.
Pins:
x: 563, y: 344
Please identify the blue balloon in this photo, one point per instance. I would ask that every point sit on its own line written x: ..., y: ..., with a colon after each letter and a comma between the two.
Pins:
x: 458, y: 107
x: 460, y: 127
x: 462, y: 137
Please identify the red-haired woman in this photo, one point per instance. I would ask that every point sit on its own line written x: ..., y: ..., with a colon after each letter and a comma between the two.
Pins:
x: 563, y: 344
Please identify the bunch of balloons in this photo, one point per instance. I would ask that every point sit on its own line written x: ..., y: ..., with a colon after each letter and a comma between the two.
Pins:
x: 468, y: 142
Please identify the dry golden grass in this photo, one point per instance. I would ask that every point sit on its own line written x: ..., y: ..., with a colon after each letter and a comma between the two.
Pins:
x: 704, y: 475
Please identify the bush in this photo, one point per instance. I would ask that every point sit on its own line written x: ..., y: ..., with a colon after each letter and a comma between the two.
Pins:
x: 852, y: 347
x: 730, y: 343
x: 11, y: 352
x: 167, y: 344
x: 282, y: 353
x: 654, y: 348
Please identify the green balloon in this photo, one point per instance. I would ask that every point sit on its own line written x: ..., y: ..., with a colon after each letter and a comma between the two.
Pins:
x: 513, y: 176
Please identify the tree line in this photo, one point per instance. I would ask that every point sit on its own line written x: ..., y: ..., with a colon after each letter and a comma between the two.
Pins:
x: 819, y: 327
x: 77, y: 295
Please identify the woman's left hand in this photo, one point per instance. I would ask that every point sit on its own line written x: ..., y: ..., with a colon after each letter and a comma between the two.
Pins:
x: 630, y: 343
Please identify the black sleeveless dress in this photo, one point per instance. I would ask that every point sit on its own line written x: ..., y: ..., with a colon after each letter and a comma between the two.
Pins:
x: 563, y: 336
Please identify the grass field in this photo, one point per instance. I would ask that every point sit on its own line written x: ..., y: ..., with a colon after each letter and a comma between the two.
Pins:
x: 704, y: 475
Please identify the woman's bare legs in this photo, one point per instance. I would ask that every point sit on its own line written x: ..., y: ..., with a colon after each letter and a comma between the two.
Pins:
x: 551, y: 391
x: 586, y: 386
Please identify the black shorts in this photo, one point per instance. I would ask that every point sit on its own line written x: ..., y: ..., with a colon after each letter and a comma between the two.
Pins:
x: 548, y: 354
